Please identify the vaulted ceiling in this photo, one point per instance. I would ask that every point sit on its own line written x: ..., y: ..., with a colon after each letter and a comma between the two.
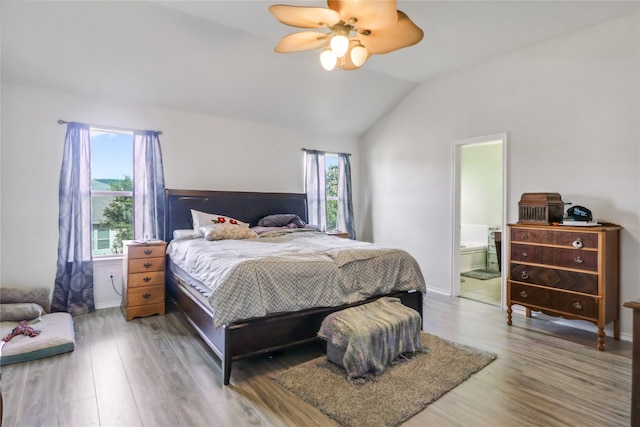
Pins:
x: 216, y: 57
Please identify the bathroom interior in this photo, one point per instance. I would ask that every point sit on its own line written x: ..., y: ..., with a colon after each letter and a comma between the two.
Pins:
x: 480, y: 222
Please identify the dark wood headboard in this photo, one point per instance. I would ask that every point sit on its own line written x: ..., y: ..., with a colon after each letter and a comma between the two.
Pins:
x: 243, y: 205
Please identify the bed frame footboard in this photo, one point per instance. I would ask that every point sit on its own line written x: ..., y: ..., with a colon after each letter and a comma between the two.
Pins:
x: 238, y: 340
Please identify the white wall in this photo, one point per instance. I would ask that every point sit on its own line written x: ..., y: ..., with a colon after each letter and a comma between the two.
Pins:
x: 570, y: 107
x: 481, y: 184
x: 199, y: 152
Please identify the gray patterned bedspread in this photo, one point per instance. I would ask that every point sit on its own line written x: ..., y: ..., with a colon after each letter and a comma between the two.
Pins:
x: 282, y: 272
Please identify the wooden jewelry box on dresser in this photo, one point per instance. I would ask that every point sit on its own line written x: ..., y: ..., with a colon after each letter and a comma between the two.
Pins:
x: 143, y: 280
x: 567, y: 271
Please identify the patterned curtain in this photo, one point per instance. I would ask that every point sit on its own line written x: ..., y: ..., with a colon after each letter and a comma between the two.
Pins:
x: 315, y: 187
x: 148, y: 186
x: 345, y: 203
x: 73, y: 290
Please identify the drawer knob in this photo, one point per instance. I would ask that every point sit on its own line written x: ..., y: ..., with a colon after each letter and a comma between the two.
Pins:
x: 577, y: 305
x: 578, y: 260
x: 147, y: 265
x: 146, y: 295
x: 577, y: 243
x: 148, y: 252
x: 523, y: 294
x: 147, y: 279
x: 525, y: 237
x: 525, y: 254
x: 524, y: 275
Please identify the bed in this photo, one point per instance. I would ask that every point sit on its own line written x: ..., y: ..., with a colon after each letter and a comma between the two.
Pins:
x: 237, y: 338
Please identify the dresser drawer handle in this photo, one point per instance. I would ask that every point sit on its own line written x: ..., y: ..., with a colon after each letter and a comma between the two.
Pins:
x: 148, y: 252
x: 524, y: 275
x: 577, y: 243
x: 147, y: 279
x: 525, y: 254
x: 578, y: 260
x: 577, y: 305
x: 525, y: 237
x: 146, y: 295
x: 523, y: 294
x: 147, y: 265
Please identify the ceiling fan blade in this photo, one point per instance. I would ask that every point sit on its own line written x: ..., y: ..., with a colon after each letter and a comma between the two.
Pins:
x: 304, y: 40
x: 305, y: 16
x: 370, y: 14
x: 404, y: 33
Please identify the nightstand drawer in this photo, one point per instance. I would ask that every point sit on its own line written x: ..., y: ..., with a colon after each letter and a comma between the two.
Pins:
x: 145, y: 295
x: 150, y: 278
x: 146, y: 251
x: 146, y: 264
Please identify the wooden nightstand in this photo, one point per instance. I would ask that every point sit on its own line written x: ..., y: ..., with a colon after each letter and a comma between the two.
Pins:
x: 343, y: 234
x: 143, y: 278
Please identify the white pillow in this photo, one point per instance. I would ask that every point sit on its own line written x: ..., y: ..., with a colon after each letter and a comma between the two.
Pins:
x: 228, y: 231
x: 185, y: 234
x: 202, y: 219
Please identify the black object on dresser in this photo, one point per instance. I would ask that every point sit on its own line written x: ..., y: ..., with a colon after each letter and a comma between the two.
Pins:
x: 566, y: 271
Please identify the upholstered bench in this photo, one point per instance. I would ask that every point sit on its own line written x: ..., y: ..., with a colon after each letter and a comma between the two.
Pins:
x: 32, y: 305
x: 365, y: 339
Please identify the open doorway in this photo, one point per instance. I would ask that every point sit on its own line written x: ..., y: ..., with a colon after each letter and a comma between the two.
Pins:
x: 479, y: 218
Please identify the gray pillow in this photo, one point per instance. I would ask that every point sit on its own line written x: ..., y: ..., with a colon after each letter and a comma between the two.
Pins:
x: 20, y: 311
x: 281, y: 220
x: 37, y: 295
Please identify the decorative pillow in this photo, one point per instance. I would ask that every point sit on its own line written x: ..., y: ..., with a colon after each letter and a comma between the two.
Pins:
x: 202, y: 219
x: 185, y: 234
x: 36, y: 295
x: 280, y: 220
x: 227, y: 231
x: 20, y: 311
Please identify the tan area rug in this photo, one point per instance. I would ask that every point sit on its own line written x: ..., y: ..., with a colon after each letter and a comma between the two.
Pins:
x: 403, y: 390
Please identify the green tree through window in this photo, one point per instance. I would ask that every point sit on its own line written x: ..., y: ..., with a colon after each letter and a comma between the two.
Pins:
x: 118, y: 215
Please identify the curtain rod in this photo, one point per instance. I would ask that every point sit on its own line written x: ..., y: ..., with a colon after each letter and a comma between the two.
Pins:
x: 308, y: 149
x: 62, y: 122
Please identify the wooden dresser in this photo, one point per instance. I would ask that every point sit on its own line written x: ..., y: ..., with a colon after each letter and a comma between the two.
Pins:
x: 565, y: 271
x: 143, y: 278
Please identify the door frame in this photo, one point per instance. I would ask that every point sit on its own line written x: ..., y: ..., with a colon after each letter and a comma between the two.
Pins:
x: 456, y: 161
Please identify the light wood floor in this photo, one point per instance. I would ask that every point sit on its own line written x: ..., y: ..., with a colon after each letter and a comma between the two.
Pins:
x: 156, y: 372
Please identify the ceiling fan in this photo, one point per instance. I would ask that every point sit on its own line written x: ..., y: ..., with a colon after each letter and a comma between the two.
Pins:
x: 357, y: 29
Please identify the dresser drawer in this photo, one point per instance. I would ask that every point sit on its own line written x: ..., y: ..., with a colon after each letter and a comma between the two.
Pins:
x: 146, y: 264
x: 145, y: 295
x: 555, y: 237
x: 555, y: 278
x: 146, y: 251
x: 575, y: 304
x: 150, y: 278
x: 529, y: 295
x: 561, y: 257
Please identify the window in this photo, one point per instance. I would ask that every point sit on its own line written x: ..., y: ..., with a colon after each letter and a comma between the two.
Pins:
x: 111, y: 190
x: 331, y: 191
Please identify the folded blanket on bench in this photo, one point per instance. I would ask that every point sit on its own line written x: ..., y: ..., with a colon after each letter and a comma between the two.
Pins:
x: 373, y: 335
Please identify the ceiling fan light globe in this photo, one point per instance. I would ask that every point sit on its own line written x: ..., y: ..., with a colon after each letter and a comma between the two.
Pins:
x: 339, y: 45
x: 358, y: 55
x: 328, y: 59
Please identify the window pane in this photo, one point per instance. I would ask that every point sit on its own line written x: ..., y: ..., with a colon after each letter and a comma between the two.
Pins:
x: 112, y: 217
x: 331, y: 176
x: 111, y: 170
x: 332, y: 214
